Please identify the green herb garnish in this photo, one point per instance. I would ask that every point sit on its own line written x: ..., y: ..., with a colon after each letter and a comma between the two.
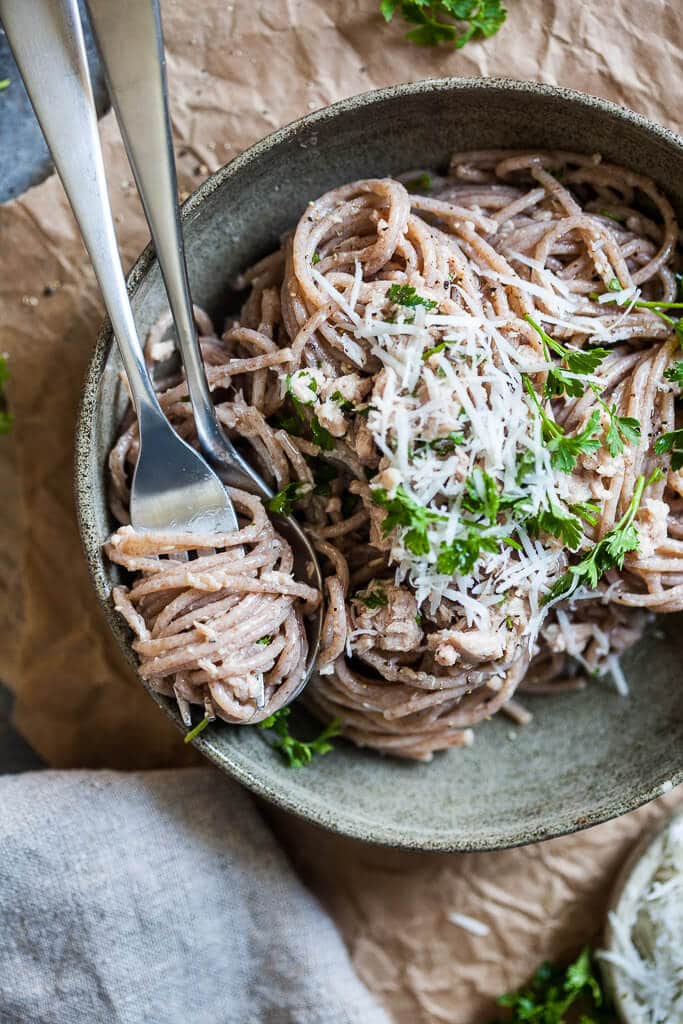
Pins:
x: 586, y: 510
x: 577, y: 361
x: 441, y: 445
x: 403, y: 511
x: 315, y: 258
x: 321, y: 436
x: 343, y: 403
x: 609, y: 552
x: 323, y: 474
x: 298, y: 753
x: 675, y: 374
x: 550, y: 994
x: 435, y: 349
x: 406, y: 295
x: 565, y: 449
x: 422, y: 183
x: 481, y: 19
x: 671, y: 442
x: 483, y: 496
x: 265, y: 641
x: 4, y: 84
x: 373, y: 597
x: 463, y: 553
x: 283, y: 501
x: 199, y: 727
x: 555, y: 521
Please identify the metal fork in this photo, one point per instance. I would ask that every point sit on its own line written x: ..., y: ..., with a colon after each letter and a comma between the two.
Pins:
x: 173, y: 488
x: 130, y: 41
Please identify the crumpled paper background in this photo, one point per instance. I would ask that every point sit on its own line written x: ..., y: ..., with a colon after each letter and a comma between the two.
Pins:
x: 238, y: 70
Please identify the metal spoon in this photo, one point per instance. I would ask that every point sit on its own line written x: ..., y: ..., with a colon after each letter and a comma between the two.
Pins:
x: 173, y: 488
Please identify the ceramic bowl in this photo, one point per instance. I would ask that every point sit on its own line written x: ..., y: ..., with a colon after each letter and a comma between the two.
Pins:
x: 586, y: 757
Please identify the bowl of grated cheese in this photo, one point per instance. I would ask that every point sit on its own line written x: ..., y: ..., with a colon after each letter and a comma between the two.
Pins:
x: 643, y: 956
x: 521, y: 276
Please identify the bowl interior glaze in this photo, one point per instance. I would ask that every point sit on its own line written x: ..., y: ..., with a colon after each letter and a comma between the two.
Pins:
x: 586, y: 757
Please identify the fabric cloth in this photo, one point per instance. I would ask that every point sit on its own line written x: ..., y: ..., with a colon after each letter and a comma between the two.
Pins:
x: 159, y: 898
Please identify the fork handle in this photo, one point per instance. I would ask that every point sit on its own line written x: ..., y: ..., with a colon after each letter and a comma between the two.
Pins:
x: 47, y: 42
x: 130, y: 40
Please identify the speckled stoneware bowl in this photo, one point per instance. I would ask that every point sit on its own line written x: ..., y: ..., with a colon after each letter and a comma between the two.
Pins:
x: 586, y: 757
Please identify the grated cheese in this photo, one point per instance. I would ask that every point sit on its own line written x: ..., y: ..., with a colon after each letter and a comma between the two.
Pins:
x: 469, y: 924
x: 647, y: 936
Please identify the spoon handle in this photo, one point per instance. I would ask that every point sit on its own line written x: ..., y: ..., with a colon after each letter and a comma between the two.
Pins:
x: 129, y: 38
x: 47, y: 42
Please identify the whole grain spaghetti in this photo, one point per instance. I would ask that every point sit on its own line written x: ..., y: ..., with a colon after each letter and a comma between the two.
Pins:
x: 459, y: 391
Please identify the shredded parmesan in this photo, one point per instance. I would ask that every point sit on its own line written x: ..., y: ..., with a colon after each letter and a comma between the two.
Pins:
x: 469, y: 924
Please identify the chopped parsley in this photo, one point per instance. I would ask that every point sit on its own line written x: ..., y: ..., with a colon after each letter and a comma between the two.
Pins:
x: 403, y: 511
x: 435, y: 349
x: 372, y: 597
x: 309, y: 381
x: 483, y: 496
x: 293, y: 425
x: 552, y: 991
x: 298, y: 753
x: 283, y: 501
x: 441, y: 445
x: 265, y: 641
x: 199, y: 727
x: 321, y: 436
x: 315, y: 258
x: 675, y: 374
x: 4, y: 84
x: 463, y: 553
x: 654, y: 306
x: 6, y: 417
x: 671, y: 442
x: 406, y: 295
x: 609, y: 552
x: 422, y: 183
x: 440, y: 21
x: 343, y: 403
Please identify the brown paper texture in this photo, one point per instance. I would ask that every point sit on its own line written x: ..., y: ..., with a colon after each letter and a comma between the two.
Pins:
x: 237, y: 71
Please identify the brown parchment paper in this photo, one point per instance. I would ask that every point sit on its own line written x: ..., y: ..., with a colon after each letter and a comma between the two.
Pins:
x: 238, y: 70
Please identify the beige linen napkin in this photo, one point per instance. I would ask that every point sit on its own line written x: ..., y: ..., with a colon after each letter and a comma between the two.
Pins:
x: 159, y: 898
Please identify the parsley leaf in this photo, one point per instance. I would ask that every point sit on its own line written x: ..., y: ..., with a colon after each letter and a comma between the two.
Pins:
x: 671, y: 442
x: 343, y: 403
x: 622, y: 430
x: 586, y: 510
x: 435, y: 349
x: 463, y: 553
x: 577, y: 361
x: 283, y: 501
x: 557, y: 523
x: 298, y: 753
x: 422, y: 183
x: 608, y: 553
x: 372, y: 597
x: 406, y: 295
x: 675, y: 374
x: 315, y: 258
x: 565, y: 449
x: 321, y: 436
x: 483, y: 497
x: 551, y: 992
x: 6, y: 417
x: 265, y: 641
x: 480, y: 19
x: 403, y: 511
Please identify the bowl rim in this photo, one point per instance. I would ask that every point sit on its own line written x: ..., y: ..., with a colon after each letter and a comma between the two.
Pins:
x: 395, y: 836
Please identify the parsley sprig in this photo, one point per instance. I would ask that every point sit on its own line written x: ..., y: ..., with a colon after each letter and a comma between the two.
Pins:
x: 576, y: 362
x: 551, y: 992
x: 298, y: 753
x: 565, y: 448
x: 654, y: 306
x: 480, y: 19
x: 402, y: 510
x: 372, y: 597
x: 609, y: 552
x: 195, y: 731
